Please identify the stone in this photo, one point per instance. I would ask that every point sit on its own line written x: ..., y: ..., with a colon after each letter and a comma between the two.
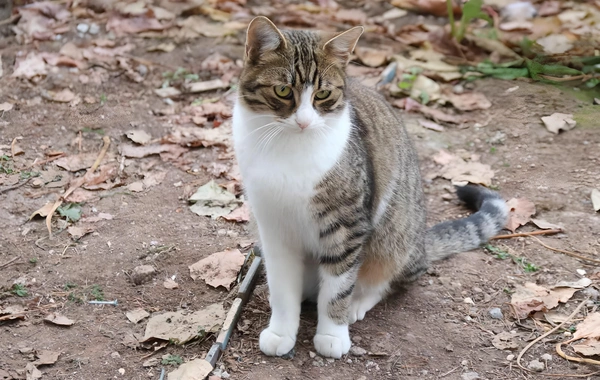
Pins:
x: 115, y: 355
x: 142, y: 274
x: 83, y: 28
x: 26, y: 350
x: 94, y: 29
x: 536, y: 365
x: 470, y: 376
x: 496, y: 313
x: 547, y: 357
x: 312, y: 354
x: 150, y: 362
x: 510, y: 357
x: 357, y: 351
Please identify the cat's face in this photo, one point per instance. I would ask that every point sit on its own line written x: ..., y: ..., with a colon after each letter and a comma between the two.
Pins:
x: 296, y: 77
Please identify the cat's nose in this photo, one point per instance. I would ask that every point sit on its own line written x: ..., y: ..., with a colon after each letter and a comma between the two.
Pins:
x: 303, y: 125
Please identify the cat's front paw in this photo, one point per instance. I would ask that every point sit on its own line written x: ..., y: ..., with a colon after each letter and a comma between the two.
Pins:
x: 333, y: 345
x: 274, y: 344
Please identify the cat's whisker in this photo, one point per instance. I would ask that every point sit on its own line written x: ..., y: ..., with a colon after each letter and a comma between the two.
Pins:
x: 258, y: 129
x: 270, y: 137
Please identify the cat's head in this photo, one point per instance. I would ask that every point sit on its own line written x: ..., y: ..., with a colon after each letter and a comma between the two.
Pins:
x: 297, y: 77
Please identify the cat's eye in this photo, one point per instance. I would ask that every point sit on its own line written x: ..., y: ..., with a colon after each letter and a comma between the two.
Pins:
x: 323, y: 94
x: 284, y: 92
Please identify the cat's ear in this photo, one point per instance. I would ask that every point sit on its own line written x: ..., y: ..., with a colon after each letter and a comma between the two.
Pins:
x: 262, y: 36
x: 342, y: 45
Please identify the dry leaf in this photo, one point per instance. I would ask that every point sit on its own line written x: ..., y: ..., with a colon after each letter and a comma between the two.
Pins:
x: 542, y: 224
x: 137, y: 315
x: 63, y: 96
x: 372, y: 57
x: 183, y: 326
x: 532, y: 297
x: 197, y: 369
x: 32, y: 373
x: 212, y: 200
x: 131, y: 25
x: 170, y: 284
x: 469, y: 101
x: 521, y: 210
x: 29, y: 67
x: 165, y: 47
x: 167, y: 92
x: 589, y: 330
x: 44, y: 211
x: 153, y: 178
x: 12, y: 312
x: 240, y: 214
x: 579, y: 284
x: 136, y: 187
x: 506, y: 341
x: 559, y: 122
x: 78, y: 162
x: 431, y: 125
x: 219, y: 269
x: 460, y: 171
x: 209, y: 85
x: 434, y: 7
x: 596, y: 199
x: 411, y: 105
x: 148, y: 150
x: 4, y: 107
x: 46, y: 357
x: 423, y: 85
x: 58, y: 319
x: 77, y: 232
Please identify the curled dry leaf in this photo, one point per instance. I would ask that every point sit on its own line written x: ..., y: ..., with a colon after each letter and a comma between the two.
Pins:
x: 411, y: 105
x: 219, y: 269
x: 43, y: 211
x: 434, y: 7
x: 193, y: 137
x: 131, y: 25
x: 521, y: 211
x: 589, y: 330
x: 559, y: 122
x: 431, y: 125
x: 139, y: 136
x: 12, y: 312
x: 62, y: 96
x: 77, y: 232
x: 4, y: 107
x: 31, y: 66
x: 183, y: 326
x: 372, y: 57
x: 58, y: 319
x: 531, y: 297
x: 148, y: 150
x: 170, y: 284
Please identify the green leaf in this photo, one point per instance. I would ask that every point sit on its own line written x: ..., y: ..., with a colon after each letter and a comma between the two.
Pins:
x: 71, y: 211
x: 592, y: 83
x: 172, y: 360
x: 19, y: 290
x: 471, y: 10
x: 536, y: 69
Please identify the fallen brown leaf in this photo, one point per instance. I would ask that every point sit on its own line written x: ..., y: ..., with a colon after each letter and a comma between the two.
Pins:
x: 521, y: 210
x: 559, y: 122
x: 589, y: 330
x: 532, y: 297
x: 219, y: 269
x: 469, y: 101
x: 77, y: 232
x: 139, y: 136
x: 542, y: 224
x: 58, y: 319
x: 460, y: 171
x: 137, y: 315
x: 170, y: 284
x: 29, y: 67
x: 123, y: 25
x: 193, y: 370
x: 372, y: 57
x: 46, y: 357
x: 241, y: 214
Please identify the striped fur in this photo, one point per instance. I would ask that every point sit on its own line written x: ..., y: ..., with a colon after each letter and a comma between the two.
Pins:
x: 335, y: 188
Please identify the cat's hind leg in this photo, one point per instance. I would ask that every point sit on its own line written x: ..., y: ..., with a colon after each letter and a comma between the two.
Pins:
x: 372, y: 285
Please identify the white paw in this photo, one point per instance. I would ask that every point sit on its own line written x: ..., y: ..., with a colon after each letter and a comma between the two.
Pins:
x: 333, y: 345
x: 274, y: 344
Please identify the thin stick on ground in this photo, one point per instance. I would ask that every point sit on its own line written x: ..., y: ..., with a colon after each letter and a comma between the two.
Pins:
x: 9, y: 262
x: 568, y: 253
x: 80, y: 182
x: 525, y: 234
x: 45, y: 161
x: 569, y: 318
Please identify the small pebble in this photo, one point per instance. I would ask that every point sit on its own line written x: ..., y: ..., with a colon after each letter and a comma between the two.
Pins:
x: 357, y: 351
x: 142, y: 70
x: 464, y: 363
x: 510, y: 357
x: 115, y: 355
x: 94, y: 28
x: 122, y: 371
x: 469, y: 301
x: 547, y: 357
x: 536, y: 365
x: 83, y: 28
x: 330, y: 360
x: 581, y: 272
x: 496, y: 313
x: 312, y: 354
x: 221, y: 232
x: 469, y: 376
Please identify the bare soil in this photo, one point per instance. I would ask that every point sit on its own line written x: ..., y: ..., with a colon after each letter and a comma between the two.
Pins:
x: 425, y: 331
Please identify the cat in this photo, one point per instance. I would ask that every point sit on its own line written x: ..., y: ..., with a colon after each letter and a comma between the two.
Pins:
x: 333, y: 182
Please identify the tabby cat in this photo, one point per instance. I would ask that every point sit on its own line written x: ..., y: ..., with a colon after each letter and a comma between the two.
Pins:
x: 334, y: 185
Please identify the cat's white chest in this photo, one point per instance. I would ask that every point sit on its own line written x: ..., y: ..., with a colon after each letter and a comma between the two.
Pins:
x: 280, y: 178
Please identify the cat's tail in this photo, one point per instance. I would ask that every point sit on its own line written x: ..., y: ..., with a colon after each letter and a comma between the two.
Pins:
x: 447, y: 238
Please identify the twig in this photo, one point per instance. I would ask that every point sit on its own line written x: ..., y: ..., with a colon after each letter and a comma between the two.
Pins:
x: 568, y: 253
x: 10, y: 20
x: 572, y: 358
x: 449, y: 372
x: 9, y: 262
x: 80, y: 182
x: 573, y: 314
x: 15, y: 186
x: 524, y: 234
x: 45, y: 161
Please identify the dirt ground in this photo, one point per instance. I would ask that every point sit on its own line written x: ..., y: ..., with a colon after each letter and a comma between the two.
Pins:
x: 425, y: 331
